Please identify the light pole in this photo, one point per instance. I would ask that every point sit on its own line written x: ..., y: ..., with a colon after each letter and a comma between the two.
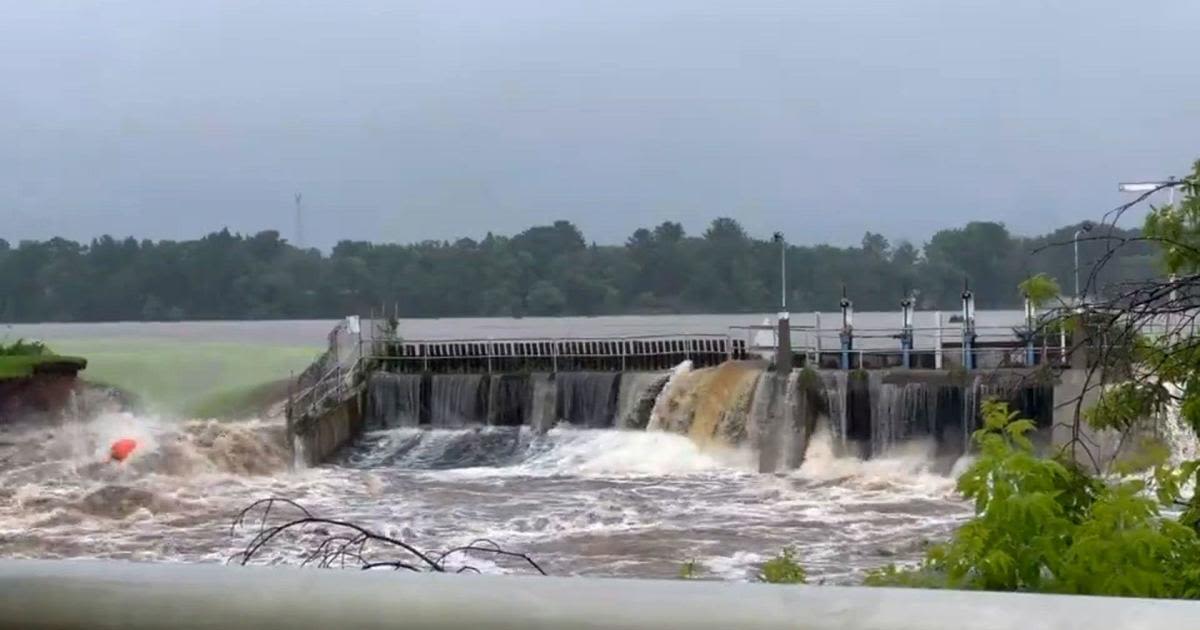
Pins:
x: 778, y: 238
x: 783, y: 335
x: 1086, y: 227
x: 1148, y: 187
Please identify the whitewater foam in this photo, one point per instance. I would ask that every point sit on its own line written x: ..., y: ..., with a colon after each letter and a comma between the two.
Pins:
x: 580, y: 501
x: 496, y: 451
x: 910, y: 465
x: 632, y: 453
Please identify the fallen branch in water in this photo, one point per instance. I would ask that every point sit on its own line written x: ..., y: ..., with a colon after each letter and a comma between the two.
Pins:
x: 345, y: 544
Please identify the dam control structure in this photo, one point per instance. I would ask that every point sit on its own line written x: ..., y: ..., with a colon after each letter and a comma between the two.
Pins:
x: 771, y: 387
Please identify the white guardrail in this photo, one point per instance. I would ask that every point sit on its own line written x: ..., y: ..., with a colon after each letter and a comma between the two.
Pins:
x: 132, y: 596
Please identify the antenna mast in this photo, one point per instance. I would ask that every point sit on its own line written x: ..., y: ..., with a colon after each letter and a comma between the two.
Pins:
x: 299, y: 222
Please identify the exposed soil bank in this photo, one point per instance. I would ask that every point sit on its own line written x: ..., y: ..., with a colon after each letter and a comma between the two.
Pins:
x: 50, y: 387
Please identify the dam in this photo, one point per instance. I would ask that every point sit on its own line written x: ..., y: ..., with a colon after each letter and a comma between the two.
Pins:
x: 769, y: 388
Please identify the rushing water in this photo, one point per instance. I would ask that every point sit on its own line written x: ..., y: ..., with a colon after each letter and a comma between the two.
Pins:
x: 582, y: 501
x: 590, y: 502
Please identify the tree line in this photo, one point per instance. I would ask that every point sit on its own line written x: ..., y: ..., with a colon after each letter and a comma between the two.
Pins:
x: 544, y: 270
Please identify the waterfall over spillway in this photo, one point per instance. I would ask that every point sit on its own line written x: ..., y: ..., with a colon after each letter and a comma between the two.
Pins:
x: 587, y: 399
x: 636, y: 395
x: 510, y: 400
x: 457, y: 400
x: 543, y: 412
x: 835, y: 388
x: 738, y: 404
x: 538, y: 400
x: 394, y: 400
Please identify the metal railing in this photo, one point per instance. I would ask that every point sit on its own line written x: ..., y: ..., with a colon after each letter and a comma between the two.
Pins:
x: 333, y: 376
x: 345, y: 363
x: 506, y: 354
x: 137, y: 596
x: 994, y: 345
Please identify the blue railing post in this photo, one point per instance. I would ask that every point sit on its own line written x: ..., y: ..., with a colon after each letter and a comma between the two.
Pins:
x: 847, y: 333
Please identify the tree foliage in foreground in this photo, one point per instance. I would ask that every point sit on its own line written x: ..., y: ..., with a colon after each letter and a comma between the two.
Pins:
x: 1043, y: 525
x: 545, y: 270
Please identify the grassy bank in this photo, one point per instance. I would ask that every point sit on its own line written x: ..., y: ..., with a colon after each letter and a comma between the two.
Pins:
x: 192, y: 378
x: 21, y: 358
x: 22, y: 366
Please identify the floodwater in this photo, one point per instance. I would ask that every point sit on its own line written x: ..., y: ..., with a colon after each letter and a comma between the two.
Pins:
x: 580, y: 502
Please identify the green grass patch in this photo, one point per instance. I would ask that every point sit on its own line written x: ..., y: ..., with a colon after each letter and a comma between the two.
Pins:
x: 21, y: 366
x: 178, y: 378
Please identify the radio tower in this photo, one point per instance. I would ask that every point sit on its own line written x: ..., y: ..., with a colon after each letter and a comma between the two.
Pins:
x: 299, y: 222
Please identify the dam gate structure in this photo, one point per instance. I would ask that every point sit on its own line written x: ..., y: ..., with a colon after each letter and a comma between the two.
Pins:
x: 772, y: 388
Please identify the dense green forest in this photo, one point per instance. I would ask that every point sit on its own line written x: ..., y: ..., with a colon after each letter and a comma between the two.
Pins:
x: 545, y: 270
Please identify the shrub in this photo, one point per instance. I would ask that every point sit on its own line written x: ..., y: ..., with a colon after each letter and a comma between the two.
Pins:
x: 1044, y: 525
x: 783, y: 569
x: 22, y: 348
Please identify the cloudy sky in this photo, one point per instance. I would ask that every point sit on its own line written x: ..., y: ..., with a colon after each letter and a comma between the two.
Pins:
x: 405, y: 120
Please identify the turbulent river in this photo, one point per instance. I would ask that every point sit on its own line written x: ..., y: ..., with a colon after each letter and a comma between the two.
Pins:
x: 581, y: 502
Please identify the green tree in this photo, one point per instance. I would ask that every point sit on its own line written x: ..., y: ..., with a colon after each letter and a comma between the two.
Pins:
x: 1043, y: 525
x: 659, y: 270
x: 545, y: 299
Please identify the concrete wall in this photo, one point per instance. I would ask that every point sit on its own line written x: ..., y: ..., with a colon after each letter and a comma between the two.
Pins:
x: 1098, y: 449
x: 133, y: 596
x: 315, y: 440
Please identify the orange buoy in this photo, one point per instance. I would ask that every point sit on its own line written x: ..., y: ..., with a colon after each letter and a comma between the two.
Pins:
x: 122, y: 449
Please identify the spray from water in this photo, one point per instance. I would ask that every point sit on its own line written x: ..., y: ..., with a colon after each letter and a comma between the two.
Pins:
x: 662, y: 402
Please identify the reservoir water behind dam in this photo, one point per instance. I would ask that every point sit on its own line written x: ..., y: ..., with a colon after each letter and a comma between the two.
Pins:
x: 601, y: 502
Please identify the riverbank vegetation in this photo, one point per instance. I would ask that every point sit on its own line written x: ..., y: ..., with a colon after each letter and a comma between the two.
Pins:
x: 545, y: 270
x: 1042, y: 524
x: 22, y: 358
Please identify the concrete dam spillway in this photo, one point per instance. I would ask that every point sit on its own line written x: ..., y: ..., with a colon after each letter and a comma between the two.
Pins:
x: 735, y: 404
x: 768, y: 397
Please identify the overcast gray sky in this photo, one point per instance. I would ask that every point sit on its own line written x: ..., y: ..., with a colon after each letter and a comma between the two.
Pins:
x: 403, y: 120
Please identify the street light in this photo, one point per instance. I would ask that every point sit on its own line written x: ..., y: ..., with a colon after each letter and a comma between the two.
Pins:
x: 1144, y: 187
x: 778, y: 238
x: 1085, y: 227
x: 1147, y: 187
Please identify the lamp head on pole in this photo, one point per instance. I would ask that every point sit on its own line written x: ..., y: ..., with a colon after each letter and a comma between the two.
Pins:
x: 1141, y: 187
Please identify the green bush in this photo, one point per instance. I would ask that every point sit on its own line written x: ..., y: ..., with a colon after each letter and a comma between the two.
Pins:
x: 689, y: 570
x: 22, y: 348
x: 783, y: 569
x: 1043, y: 525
